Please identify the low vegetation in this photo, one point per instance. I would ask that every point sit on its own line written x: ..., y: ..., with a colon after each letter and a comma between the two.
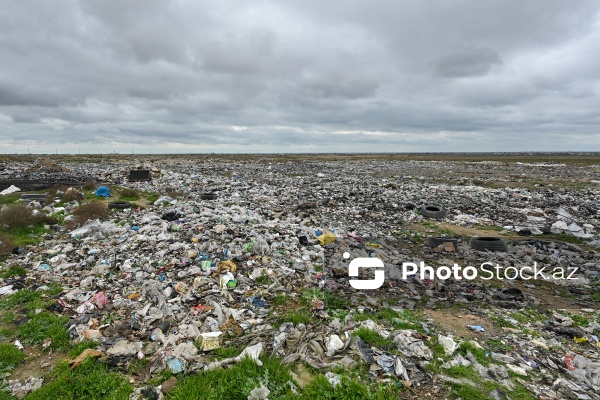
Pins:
x: 87, y: 212
x: 16, y: 216
x: 91, y: 380
x: 129, y: 195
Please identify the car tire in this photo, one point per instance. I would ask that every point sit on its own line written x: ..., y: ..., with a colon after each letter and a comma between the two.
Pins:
x: 432, y: 211
x: 208, y: 196
x: 119, y: 205
x: 488, y: 243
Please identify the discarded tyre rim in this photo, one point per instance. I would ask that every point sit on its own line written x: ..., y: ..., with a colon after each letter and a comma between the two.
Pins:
x: 484, y: 243
x: 432, y: 211
x: 208, y: 196
x: 119, y: 205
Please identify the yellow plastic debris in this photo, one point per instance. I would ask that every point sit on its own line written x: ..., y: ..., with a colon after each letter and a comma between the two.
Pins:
x: 327, y: 238
x: 226, y: 265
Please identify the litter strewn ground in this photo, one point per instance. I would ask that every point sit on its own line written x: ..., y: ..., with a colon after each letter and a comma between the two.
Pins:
x: 221, y: 267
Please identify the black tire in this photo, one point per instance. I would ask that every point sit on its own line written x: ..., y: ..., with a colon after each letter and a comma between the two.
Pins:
x: 208, y: 196
x: 432, y: 211
x: 119, y: 205
x: 435, y: 241
x: 488, y: 243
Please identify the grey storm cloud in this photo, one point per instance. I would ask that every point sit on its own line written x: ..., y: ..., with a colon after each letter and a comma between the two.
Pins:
x: 468, y: 63
x: 272, y: 76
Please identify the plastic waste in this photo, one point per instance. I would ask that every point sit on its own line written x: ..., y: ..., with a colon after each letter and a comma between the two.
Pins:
x: 103, y: 191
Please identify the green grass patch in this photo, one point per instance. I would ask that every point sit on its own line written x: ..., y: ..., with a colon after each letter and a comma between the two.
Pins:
x: 520, y: 393
x: 160, y: 377
x: 9, y: 198
x: 136, y: 366
x: 22, y: 298
x: 478, y: 353
x: 501, y: 322
x: 347, y: 389
x: 227, y: 352
x: 15, y: 270
x: 528, y: 315
x: 363, y: 316
x: 331, y: 300
x: 129, y: 195
x: 30, y: 299
x: 42, y: 326
x: 90, y: 196
x: 339, y: 314
x: 403, y: 324
x: 372, y: 338
x: 151, y: 197
x: 498, y: 347
x: 91, y: 380
x: 263, y: 280
x: 387, y: 314
x: 298, y: 317
x: 5, y: 333
x: 7, y: 318
x: 26, y: 235
x: 580, y: 320
x: 78, y: 348
x: 489, y: 228
x: 460, y: 371
x: 436, y: 348
x: 280, y: 300
x: 564, y: 237
x: 235, y: 382
x: 404, y: 319
x: 10, y: 356
x: 414, y: 236
x: 467, y: 392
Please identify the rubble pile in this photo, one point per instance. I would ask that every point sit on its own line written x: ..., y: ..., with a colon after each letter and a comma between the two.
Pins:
x: 177, y: 278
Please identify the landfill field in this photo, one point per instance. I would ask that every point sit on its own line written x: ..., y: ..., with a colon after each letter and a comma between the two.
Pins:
x: 408, y: 276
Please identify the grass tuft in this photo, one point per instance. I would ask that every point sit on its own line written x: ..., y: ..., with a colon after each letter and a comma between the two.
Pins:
x: 86, y: 212
x: 129, y: 195
x: 372, y: 338
x: 235, y: 382
x: 15, y: 270
x: 91, y: 380
x: 43, y: 326
x: 78, y: 348
x: 21, y: 216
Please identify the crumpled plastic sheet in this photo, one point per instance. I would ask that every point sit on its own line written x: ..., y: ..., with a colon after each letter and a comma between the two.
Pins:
x: 585, y: 370
x: 9, y: 190
x: 412, y: 347
x: 253, y: 352
x: 152, y: 291
x: 94, y: 227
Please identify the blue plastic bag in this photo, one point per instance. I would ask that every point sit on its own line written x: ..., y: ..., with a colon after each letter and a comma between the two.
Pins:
x: 103, y: 191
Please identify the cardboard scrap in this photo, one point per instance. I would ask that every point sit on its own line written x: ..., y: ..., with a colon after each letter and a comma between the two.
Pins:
x: 87, y: 353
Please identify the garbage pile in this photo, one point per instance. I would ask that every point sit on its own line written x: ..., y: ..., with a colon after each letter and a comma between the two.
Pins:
x: 245, y: 245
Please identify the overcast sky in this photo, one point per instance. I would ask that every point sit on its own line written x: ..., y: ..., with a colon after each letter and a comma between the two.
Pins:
x: 299, y: 76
